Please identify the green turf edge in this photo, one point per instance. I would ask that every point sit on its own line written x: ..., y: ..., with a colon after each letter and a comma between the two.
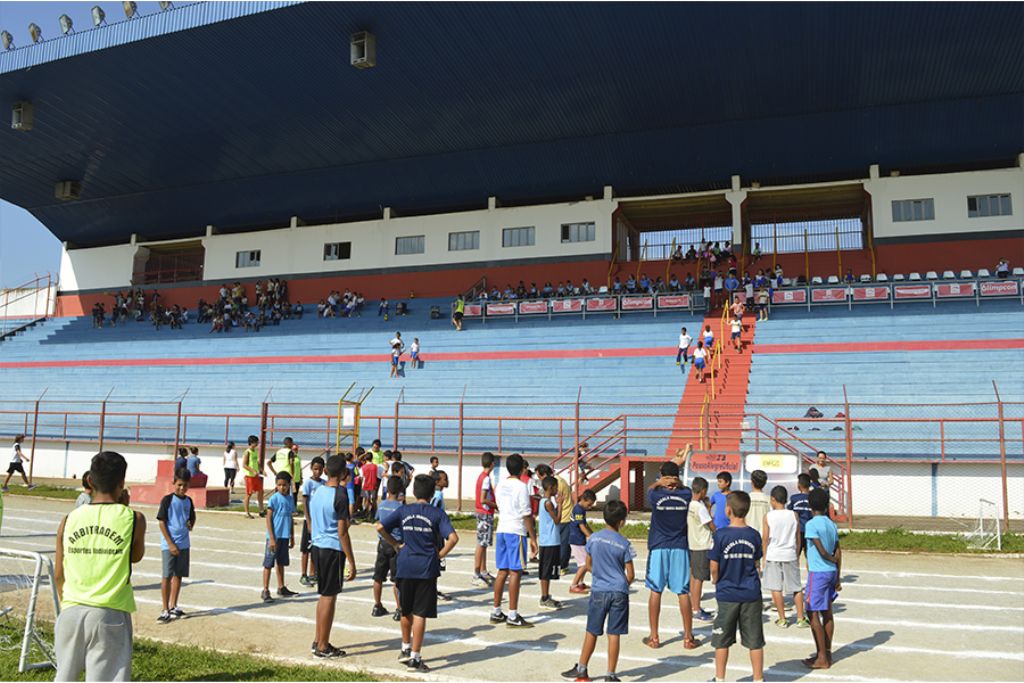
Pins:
x: 159, y: 661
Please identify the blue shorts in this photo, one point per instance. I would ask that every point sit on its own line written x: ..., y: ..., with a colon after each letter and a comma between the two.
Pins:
x: 610, y: 606
x: 394, y: 360
x: 668, y: 567
x: 415, y: 355
x: 510, y: 552
x: 698, y: 362
x: 350, y: 489
x: 735, y: 335
x: 821, y: 591
x: 709, y: 342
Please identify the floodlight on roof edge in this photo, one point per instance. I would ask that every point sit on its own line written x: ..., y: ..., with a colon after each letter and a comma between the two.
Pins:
x: 35, y: 32
x: 99, y: 17
x: 66, y: 25
x: 130, y: 9
x: 7, y: 39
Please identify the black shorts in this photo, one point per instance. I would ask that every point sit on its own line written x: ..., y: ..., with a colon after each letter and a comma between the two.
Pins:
x: 700, y: 565
x: 458, y: 315
x: 306, y: 544
x: 550, y: 557
x: 744, y: 615
x: 418, y: 597
x: 15, y: 467
x: 387, y: 562
x: 330, y: 570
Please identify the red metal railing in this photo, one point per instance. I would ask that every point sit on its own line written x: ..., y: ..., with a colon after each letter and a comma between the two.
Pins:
x: 615, y: 432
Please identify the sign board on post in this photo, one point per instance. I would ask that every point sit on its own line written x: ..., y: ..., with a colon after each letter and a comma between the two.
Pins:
x: 637, y: 303
x: 501, y: 309
x: 875, y: 293
x: 674, y: 301
x: 526, y: 307
x: 999, y: 288
x: 923, y: 291
x: 789, y: 296
x: 829, y: 294
x: 946, y: 290
x: 601, y: 304
x: 348, y: 416
x: 714, y: 462
x: 566, y: 305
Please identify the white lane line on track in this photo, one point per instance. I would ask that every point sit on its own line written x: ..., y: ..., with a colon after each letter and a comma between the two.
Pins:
x: 364, y: 585
x: 842, y: 600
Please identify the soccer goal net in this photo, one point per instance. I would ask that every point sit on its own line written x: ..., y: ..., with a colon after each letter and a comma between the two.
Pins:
x: 987, y: 535
x: 28, y: 597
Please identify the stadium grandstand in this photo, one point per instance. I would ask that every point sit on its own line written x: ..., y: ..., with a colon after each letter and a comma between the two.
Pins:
x: 254, y: 197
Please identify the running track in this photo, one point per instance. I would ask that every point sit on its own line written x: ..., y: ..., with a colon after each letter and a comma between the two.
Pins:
x: 535, y: 354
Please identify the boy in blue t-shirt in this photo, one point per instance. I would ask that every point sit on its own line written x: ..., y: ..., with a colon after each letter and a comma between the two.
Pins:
x: 309, y: 486
x: 332, y: 548
x: 721, y: 519
x: 387, y: 557
x: 799, y: 504
x: 735, y: 558
x: 177, y: 516
x: 579, y: 532
x: 419, y: 564
x: 610, y: 559
x: 280, y: 535
x: 668, y: 561
x: 549, y: 540
x: 824, y: 564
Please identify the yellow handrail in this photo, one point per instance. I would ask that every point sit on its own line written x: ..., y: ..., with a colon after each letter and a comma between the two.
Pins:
x: 839, y: 255
x: 640, y: 263
x: 807, y: 258
x: 611, y: 266
x: 668, y: 261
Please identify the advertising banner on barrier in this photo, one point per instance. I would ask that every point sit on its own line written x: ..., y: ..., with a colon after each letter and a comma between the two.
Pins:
x: 912, y: 291
x: 601, y: 304
x: 566, y: 305
x: 829, y: 294
x: 789, y: 296
x: 527, y: 307
x: 947, y: 290
x: 637, y: 303
x: 674, y: 301
x: 739, y: 296
x: 877, y: 293
x: 715, y: 462
x: 472, y: 310
x: 999, y: 288
x: 501, y: 309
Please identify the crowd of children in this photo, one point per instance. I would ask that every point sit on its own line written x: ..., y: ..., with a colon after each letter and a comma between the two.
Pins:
x: 734, y: 539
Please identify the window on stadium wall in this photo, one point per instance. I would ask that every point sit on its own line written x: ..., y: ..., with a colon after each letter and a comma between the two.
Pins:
x: 658, y: 245
x: 792, y: 237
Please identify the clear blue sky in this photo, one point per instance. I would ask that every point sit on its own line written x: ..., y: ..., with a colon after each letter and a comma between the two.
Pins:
x: 27, y: 248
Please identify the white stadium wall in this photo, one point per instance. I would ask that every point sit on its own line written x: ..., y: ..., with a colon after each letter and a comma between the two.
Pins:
x: 949, y: 192
x: 97, y: 268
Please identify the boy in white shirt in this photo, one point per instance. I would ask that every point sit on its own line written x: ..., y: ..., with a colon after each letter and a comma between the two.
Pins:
x: 780, y: 533
x: 737, y: 330
x: 17, y: 457
x: 414, y: 351
x: 515, y: 524
x: 700, y: 532
x: 685, y: 341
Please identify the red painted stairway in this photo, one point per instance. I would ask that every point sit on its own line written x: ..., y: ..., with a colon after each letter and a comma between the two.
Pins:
x: 731, y: 378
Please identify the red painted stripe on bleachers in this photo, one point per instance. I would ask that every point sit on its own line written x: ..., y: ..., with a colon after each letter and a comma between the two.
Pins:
x: 532, y: 354
x: 917, y: 345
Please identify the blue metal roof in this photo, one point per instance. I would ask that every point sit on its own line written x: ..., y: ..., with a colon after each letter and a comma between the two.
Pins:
x: 247, y: 119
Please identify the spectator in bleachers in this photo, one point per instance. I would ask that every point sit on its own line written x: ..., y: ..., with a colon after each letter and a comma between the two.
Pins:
x: 617, y: 286
x: 585, y: 287
x: 762, y: 304
x: 631, y: 285
x: 731, y: 284
x: 674, y: 284
x: 644, y: 284
x: 691, y: 255
x: 719, y: 287
x: 534, y: 292
x: 98, y: 315
x: 755, y: 253
x: 1003, y: 268
x: 690, y: 283
x: 849, y: 277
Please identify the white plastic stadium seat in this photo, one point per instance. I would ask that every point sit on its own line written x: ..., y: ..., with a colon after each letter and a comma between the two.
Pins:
x: 931, y: 275
x: 983, y: 272
x: 948, y: 275
x: 786, y: 282
x: 882, y: 277
x: 815, y: 280
x: 1018, y: 272
x: 833, y: 279
x: 865, y: 278
x: 603, y: 289
x: 898, y: 277
x: 914, y: 277
x: 966, y: 275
